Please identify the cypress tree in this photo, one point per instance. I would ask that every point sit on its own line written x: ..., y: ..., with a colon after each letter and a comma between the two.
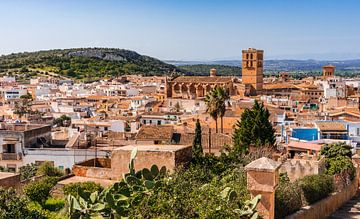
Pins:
x: 254, y: 128
x: 197, y: 146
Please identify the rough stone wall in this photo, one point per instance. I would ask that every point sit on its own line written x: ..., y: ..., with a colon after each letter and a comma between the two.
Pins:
x: 11, y: 181
x: 218, y: 140
x: 298, y: 168
x: 92, y: 172
x: 145, y: 159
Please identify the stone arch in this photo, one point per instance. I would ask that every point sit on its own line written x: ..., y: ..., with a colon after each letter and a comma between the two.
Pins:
x: 177, y: 88
x: 184, y: 91
x: 192, y: 91
x: 207, y: 88
x: 200, y: 91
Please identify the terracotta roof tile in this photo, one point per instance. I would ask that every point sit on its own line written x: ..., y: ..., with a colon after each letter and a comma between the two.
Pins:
x: 155, y: 132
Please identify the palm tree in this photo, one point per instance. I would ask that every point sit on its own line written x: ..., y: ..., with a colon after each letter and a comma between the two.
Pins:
x: 211, y: 103
x: 216, y: 104
x: 222, y: 98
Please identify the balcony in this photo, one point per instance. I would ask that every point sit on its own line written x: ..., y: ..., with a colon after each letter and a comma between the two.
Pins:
x: 11, y: 156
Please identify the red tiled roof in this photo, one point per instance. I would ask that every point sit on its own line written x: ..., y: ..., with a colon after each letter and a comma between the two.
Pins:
x: 304, y: 145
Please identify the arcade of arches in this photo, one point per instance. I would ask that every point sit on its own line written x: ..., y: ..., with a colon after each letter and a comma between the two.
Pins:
x: 196, y: 87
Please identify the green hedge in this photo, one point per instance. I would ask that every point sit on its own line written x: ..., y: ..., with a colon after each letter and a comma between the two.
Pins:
x: 316, y: 187
x: 287, y: 199
x: 291, y: 196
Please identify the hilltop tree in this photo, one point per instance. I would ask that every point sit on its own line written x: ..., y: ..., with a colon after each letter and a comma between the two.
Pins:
x: 254, y: 129
x: 197, y: 146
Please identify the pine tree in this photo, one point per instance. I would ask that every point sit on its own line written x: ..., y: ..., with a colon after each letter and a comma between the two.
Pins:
x: 254, y: 129
x: 197, y: 146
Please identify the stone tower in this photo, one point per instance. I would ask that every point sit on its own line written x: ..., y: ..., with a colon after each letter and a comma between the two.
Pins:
x: 328, y: 71
x: 213, y: 72
x: 252, y: 69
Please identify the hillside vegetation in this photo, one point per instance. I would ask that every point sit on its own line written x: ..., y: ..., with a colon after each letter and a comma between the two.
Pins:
x: 204, y: 69
x: 82, y: 64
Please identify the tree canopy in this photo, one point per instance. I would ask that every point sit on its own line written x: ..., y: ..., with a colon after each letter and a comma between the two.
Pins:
x: 253, y: 129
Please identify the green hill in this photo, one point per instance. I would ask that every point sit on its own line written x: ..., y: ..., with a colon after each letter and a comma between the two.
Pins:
x: 82, y: 64
x: 204, y: 69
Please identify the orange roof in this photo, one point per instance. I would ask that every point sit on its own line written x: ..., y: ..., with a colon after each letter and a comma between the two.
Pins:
x: 272, y: 86
x: 304, y: 145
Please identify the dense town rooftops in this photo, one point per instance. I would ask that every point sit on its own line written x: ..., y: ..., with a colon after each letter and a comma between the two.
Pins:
x: 165, y: 148
x: 21, y: 127
x: 331, y: 126
x: 155, y: 132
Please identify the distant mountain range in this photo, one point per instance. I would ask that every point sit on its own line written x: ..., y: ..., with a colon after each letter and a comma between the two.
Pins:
x: 281, y: 65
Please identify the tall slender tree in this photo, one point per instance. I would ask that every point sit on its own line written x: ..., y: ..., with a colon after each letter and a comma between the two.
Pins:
x: 197, y: 146
x: 212, y: 106
x: 222, y: 98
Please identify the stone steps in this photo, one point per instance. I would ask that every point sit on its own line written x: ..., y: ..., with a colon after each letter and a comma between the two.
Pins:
x: 350, y: 209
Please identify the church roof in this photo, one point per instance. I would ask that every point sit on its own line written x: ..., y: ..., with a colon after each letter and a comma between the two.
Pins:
x: 202, y: 79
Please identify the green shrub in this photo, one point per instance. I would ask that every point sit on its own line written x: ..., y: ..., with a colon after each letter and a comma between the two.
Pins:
x: 54, y: 204
x: 28, y: 171
x: 287, y: 199
x: 340, y: 164
x: 338, y: 159
x: 48, y: 169
x: 73, y: 188
x: 195, y: 193
x: 316, y: 187
x: 39, y: 191
x: 14, y: 206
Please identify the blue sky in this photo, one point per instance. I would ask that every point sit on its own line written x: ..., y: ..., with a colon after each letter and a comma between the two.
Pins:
x: 186, y: 29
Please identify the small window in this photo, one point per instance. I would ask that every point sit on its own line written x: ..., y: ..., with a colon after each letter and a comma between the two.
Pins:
x: 144, y: 121
x: 159, y: 122
x: 106, y: 128
x: 150, y: 121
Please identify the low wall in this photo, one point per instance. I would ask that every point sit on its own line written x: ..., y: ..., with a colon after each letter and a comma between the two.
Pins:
x: 327, y: 206
x: 298, y: 168
x: 10, y: 181
x: 92, y: 172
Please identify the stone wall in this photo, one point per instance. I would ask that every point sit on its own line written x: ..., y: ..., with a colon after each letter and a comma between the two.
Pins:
x: 327, y: 206
x: 12, y: 180
x: 92, y: 172
x: 146, y: 158
x: 218, y: 140
x: 298, y: 168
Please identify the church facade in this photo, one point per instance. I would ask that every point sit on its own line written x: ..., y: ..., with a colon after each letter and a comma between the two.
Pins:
x: 196, y: 87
